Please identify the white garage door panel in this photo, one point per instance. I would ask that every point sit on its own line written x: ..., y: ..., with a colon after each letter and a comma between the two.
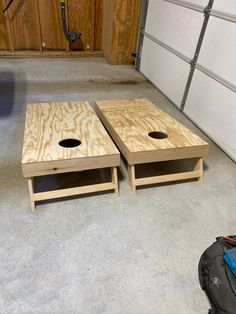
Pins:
x: 219, y: 49
x: 165, y: 70
x: 175, y: 25
x: 203, y: 3
x: 227, y: 6
x: 213, y: 108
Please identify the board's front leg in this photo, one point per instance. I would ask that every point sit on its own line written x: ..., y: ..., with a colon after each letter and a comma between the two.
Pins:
x: 199, y: 167
x: 114, y: 179
x: 31, y: 193
x: 131, y: 174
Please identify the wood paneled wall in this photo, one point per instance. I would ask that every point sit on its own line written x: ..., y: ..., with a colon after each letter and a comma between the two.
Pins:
x: 34, y: 28
x: 121, y: 25
x: 36, y: 25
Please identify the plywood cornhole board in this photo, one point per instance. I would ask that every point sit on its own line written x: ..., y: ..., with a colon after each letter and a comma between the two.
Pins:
x: 146, y: 134
x: 49, y: 127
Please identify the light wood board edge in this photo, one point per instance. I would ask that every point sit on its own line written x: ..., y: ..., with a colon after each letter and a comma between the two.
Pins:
x: 70, y: 165
x: 92, y: 188
x: 196, y: 173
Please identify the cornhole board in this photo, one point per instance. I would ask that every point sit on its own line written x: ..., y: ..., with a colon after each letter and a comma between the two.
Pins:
x: 66, y: 137
x: 144, y: 134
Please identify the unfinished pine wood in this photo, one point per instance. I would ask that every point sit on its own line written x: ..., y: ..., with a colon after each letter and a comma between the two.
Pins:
x: 131, y: 175
x: 4, y: 40
x: 48, y: 123
x: 199, y: 167
x: 130, y: 121
x: 114, y: 179
x: 23, y: 24
x: 31, y: 193
x: 167, y: 178
x: 121, y: 22
x: 53, y: 37
x: 40, y: 196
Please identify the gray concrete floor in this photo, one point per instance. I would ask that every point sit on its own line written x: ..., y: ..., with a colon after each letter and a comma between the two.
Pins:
x: 100, y: 253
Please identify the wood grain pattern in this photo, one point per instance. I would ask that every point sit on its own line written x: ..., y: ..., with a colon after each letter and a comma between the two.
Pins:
x: 98, y: 25
x: 58, y: 193
x: 114, y: 179
x: 111, y: 25
x: 47, y: 124
x: 199, y: 167
x: 130, y: 121
x: 51, y: 25
x: 31, y: 193
x: 4, y: 40
x: 81, y: 19
x: 121, y: 23
x: 24, y: 24
x: 108, y: 27
x: 133, y: 12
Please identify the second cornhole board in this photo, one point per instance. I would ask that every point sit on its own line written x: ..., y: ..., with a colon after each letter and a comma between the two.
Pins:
x: 144, y: 134
x: 66, y: 137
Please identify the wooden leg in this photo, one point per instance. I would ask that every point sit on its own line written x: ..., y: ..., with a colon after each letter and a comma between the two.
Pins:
x: 31, y: 193
x: 131, y: 173
x: 114, y: 179
x: 199, y: 167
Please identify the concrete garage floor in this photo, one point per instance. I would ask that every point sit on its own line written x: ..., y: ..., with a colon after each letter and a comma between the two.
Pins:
x: 100, y: 253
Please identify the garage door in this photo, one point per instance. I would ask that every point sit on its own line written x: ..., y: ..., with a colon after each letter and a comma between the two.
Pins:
x: 187, y: 50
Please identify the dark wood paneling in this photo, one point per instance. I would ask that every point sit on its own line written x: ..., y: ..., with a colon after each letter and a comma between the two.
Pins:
x: 133, y: 12
x: 4, y: 40
x: 23, y: 19
x: 98, y: 25
x: 121, y: 22
x: 51, y: 25
x: 111, y: 25
x: 81, y: 19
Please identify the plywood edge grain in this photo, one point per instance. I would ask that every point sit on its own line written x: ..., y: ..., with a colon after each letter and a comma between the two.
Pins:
x: 168, y: 154
x: 70, y: 165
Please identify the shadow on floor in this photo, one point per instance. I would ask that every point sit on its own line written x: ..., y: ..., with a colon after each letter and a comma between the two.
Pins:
x: 12, y: 92
x: 74, y: 179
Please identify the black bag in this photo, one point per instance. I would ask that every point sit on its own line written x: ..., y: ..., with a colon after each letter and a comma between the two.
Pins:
x: 216, y: 278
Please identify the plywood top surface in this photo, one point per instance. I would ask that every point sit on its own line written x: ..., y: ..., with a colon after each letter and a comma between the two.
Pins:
x: 47, y: 124
x: 133, y: 119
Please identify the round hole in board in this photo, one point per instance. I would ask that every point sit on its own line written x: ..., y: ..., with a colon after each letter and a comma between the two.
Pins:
x: 69, y: 143
x: 158, y: 135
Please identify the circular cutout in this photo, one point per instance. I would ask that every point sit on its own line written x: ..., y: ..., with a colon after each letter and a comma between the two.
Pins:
x: 158, y: 135
x: 69, y: 143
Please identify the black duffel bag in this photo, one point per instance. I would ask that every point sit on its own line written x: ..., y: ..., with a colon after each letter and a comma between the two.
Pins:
x: 216, y: 278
